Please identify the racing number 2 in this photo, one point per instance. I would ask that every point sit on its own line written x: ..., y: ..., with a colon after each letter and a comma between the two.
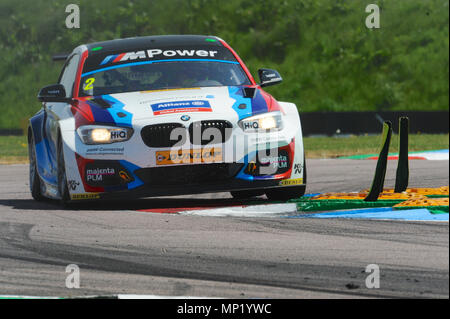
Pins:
x: 88, y: 85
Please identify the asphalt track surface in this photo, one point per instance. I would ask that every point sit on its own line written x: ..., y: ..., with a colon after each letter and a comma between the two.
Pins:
x: 121, y: 250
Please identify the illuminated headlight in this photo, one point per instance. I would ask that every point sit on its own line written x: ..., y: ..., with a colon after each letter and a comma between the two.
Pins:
x: 96, y: 134
x: 262, y: 122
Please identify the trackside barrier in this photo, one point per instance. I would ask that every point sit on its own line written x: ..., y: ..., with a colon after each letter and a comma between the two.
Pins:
x: 380, y: 170
x: 399, y: 198
x: 402, y: 174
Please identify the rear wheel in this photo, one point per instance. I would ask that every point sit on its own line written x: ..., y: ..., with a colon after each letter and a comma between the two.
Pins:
x: 35, y: 182
x: 62, y: 179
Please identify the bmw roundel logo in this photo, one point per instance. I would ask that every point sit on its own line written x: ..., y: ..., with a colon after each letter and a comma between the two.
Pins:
x: 185, y: 117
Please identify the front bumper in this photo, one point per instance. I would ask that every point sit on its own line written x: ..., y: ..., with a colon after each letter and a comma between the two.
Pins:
x: 134, y: 169
x: 113, y: 179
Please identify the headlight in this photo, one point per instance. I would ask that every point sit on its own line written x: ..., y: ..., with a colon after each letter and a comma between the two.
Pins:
x: 262, y: 122
x: 97, y: 134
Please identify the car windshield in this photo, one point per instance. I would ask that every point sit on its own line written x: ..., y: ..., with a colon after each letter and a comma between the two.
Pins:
x: 152, y: 75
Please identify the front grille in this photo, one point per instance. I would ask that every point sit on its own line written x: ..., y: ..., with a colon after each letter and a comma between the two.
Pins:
x: 199, y: 135
x: 185, y: 175
x: 158, y: 135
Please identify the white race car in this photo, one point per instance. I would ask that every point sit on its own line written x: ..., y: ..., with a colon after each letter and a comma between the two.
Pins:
x: 163, y: 115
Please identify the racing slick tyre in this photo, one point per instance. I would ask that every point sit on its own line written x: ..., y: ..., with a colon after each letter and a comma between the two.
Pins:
x: 62, y: 180
x: 246, y: 194
x: 287, y: 193
x: 35, y: 183
x: 283, y: 194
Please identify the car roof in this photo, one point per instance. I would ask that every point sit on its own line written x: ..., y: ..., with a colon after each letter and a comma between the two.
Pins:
x: 154, y: 41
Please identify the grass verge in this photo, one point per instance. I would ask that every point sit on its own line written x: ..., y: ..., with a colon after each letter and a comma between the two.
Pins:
x: 13, y: 150
x: 333, y: 147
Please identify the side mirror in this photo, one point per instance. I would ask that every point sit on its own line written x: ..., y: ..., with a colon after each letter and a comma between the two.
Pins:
x: 269, y: 77
x: 53, y: 93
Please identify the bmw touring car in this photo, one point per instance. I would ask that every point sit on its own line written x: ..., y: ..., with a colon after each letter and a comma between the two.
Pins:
x: 163, y: 115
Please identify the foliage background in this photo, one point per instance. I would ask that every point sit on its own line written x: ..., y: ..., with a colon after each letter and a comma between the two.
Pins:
x: 329, y: 60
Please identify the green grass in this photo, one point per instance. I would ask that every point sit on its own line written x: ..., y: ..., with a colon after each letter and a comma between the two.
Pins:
x: 13, y: 149
x: 332, y: 147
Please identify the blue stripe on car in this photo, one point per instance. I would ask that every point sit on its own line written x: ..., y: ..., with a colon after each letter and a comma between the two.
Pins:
x: 117, y: 107
x: 241, y: 174
x: 150, y: 62
x: 108, y: 58
x: 236, y: 94
x: 254, y: 106
x: 101, y: 115
x: 131, y: 168
x: 259, y: 104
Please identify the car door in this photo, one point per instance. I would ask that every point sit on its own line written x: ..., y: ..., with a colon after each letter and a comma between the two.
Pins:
x: 54, y: 112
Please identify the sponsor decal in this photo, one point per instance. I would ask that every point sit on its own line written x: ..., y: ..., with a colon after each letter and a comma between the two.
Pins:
x: 160, y: 158
x: 101, y: 150
x: 96, y: 175
x: 73, y: 184
x: 298, y: 168
x: 251, y: 168
x: 157, y: 53
x: 280, y: 161
x: 173, y: 98
x: 119, y: 135
x: 85, y: 196
x: 206, y: 155
x: 181, y: 106
x: 274, y: 163
x: 251, y: 125
x: 106, y: 173
x: 267, y: 138
x: 125, y: 177
x: 291, y: 182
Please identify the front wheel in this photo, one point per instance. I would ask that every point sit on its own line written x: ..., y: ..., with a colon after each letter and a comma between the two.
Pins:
x: 285, y: 193
x: 246, y: 194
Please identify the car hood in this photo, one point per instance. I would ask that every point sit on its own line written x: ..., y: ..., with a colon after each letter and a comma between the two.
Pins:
x: 227, y: 101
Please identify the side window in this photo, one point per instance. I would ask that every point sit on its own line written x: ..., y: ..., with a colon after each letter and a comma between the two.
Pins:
x: 68, y: 74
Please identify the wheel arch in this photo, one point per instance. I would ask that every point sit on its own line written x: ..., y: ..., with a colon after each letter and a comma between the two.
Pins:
x: 35, y: 130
